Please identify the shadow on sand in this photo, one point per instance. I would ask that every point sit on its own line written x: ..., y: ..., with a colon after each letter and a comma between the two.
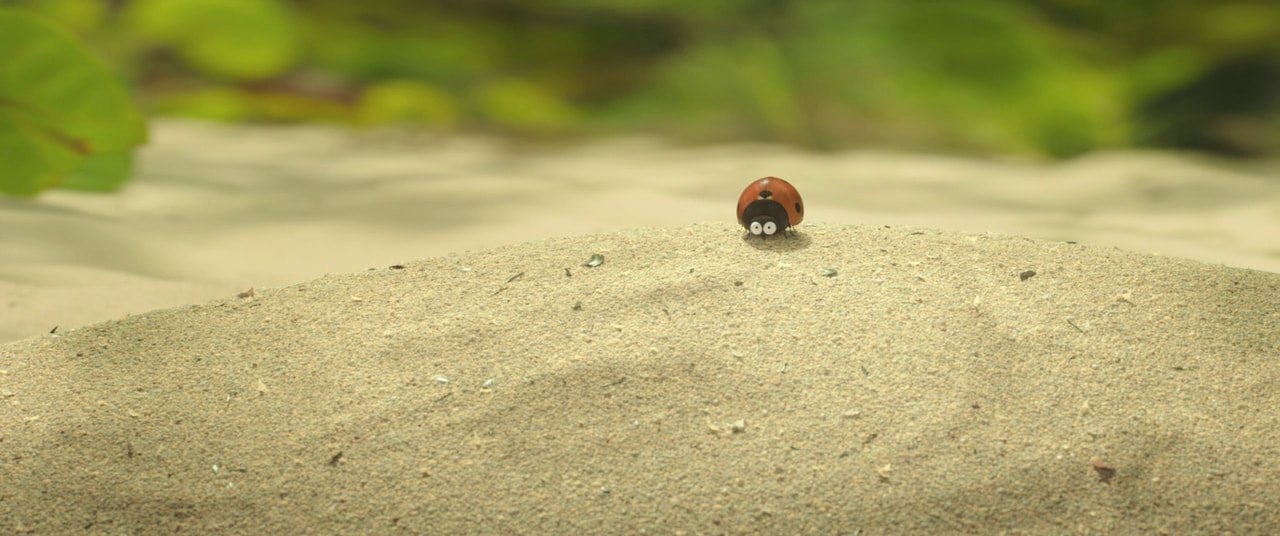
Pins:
x: 788, y: 241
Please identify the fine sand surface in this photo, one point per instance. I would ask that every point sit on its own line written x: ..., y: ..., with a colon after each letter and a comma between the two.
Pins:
x: 216, y: 210
x: 695, y: 382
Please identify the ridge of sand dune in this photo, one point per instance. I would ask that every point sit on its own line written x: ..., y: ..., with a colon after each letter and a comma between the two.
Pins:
x: 695, y: 382
x: 218, y: 208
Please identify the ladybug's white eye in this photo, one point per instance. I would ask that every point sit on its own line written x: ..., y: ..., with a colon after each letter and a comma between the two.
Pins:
x: 755, y: 228
x: 770, y: 227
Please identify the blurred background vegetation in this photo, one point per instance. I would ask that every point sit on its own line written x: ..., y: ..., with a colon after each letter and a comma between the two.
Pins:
x: 1045, y: 78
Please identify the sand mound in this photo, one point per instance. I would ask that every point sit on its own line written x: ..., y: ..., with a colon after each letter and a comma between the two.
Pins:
x: 695, y: 382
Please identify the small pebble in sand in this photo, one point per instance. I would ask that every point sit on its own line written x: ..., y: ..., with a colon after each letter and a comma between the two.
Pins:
x: 1027, y: 275
x: 828, y: 272
x: 884, y: 472
x: 441, y: 379
x: 1105, y: 472
x: 595, y: 260
x: 736, y: 427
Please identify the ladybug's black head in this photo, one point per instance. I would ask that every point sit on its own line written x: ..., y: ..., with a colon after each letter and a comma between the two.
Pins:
x: 765, y: 217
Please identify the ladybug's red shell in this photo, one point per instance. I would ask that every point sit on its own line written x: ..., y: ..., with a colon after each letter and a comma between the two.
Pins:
x: 770, y: 200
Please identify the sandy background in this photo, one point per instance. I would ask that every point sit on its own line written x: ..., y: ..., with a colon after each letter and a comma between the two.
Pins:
x: 695, y: 383
x: 877, y: 378
x: 217, y: 210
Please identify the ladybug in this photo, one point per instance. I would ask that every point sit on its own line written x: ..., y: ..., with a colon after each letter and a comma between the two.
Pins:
x: 769, y: 205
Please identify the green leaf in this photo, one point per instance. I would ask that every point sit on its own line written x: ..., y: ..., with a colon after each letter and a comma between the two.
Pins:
x: 32, y: 162
x: 75, y: 15
x: 101, y: 173
x: 58, y: 105
x: 57, y: 84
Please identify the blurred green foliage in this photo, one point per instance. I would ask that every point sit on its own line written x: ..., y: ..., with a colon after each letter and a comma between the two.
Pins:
x: 236, y: 40
x: 65, y: 119
x: 1052, y: 78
